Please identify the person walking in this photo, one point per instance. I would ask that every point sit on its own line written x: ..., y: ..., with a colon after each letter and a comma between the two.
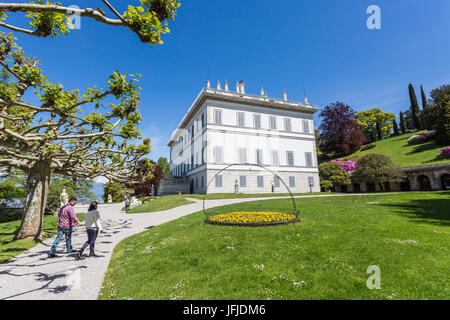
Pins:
x: 127, y: 204
x: 67, y: 220
x: 93, y: 227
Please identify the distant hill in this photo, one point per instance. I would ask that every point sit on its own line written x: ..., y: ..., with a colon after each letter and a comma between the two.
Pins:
x: 405, y: 155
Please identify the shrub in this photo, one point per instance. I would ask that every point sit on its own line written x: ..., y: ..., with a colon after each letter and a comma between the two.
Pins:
x: 368, y: 147
x: 331, y: 174
x: 376, y: 168
x: 446, y: 152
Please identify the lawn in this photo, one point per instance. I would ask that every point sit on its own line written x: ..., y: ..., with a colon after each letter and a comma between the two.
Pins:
x: 161, y: 204
x: 326, y: 256
x: 405, y: 155
x: 9, y: 248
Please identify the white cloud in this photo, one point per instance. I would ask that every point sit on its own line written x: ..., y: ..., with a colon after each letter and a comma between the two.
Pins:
x: 101, y: 180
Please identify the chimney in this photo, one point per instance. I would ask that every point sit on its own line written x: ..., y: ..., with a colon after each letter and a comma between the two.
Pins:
x: 218, y: 86
x: 262, y: 92
x: 226, y: 86
x: 306, y: 100
x: 242, y: 85
x: 284, y: 95
x: 238, y: 88
x: 208, y: 84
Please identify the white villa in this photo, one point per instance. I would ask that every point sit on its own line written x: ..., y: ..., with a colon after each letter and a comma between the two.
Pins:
x: 224, y: 128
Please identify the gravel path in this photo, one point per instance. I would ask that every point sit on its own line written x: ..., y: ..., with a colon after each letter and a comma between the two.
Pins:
x: 33, y: 276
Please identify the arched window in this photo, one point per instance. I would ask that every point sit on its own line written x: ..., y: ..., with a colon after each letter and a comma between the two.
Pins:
x: 424, y: 183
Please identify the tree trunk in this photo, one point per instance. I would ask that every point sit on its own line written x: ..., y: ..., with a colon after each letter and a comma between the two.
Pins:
x: 34, y: 208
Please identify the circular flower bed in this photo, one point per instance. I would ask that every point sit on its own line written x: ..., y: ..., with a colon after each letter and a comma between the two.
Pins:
x: 252, y: 219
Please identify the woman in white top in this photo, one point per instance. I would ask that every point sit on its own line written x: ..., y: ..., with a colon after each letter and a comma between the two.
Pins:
x: 93, y: 227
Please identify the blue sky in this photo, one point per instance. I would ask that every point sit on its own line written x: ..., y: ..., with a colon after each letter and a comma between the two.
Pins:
x: 275, y: 44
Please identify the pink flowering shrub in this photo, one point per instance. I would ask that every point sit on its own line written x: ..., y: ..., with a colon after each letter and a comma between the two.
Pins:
x: 446, y: 152
x: 348, y: 166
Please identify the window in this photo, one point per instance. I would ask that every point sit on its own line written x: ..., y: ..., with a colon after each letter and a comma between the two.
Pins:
x: 218, y: 158
x: 192, y: 161
x: 240, y: 119
x: 259, y: 156
x: 242, y: 156
x: 218, y: 181
x: 218, y: 116
x: 192, y: 132
x: 203, y: 120
x: 290, y: 158
x: 260, y: 182
x: 275, y: 159
x: 276, y: 182
x: 203, y: 182
x: 311, y: 181
x: 308, y: 159
x: 287, y: 125
x: 196, y: 182
x: 203, y: 155
x: 257, y: 121
x: 291, y: 182
x: 306, y: 126
x: 273, y: 123
x: 243, y: 181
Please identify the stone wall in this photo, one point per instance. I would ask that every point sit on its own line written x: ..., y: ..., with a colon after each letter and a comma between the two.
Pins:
x: 424, y: 178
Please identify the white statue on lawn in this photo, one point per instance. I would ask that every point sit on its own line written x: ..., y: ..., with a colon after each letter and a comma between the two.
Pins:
x: 64, y: 198
x: 109, y: 198
x: 135, y: 202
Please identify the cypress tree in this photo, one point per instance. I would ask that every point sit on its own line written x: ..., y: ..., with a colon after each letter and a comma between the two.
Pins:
x: 379, y: 133
x: 415, y: 110
x: 395, y: 127
x: 402, y: 123
x: 425, y: 119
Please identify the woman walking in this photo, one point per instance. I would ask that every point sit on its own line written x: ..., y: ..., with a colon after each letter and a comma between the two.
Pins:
x: 93, y: 227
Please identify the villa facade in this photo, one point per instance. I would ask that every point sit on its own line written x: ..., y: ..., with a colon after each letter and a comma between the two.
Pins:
x: 224, y: 128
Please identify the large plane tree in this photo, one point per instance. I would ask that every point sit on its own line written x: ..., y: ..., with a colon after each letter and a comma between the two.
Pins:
x: 79, y: 134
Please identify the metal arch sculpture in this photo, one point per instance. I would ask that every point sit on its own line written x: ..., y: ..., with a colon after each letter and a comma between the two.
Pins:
x: 254, y: 165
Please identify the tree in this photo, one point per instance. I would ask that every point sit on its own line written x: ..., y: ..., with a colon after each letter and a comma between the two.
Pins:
x: 424, y: 116
x: 150, y: 175
x: 376, y: 168
x: 415, y: 110
x: 57, y: 136
x: 12, y: 186
x: 340, y: 132
x: 163, y: 163
x: 379, y: 133
x: 331, y: 175
x: 117, y: 190
x: 440, y: 113
x: 402, y: 123
x: 148, y: 21
x: 395, y: 127
x: 368, y: 120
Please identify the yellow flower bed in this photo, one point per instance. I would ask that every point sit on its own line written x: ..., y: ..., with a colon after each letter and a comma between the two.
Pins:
x: 252, y: 218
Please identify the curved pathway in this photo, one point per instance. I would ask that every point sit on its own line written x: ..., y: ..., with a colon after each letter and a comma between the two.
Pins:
x: 31, y: 275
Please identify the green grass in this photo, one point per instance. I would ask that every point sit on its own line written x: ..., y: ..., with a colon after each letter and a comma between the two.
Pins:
x: 404, y: 155
x: 9, y: 248
x: 216, y: 196
x: 161, y: 204
x: 326, y: 256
